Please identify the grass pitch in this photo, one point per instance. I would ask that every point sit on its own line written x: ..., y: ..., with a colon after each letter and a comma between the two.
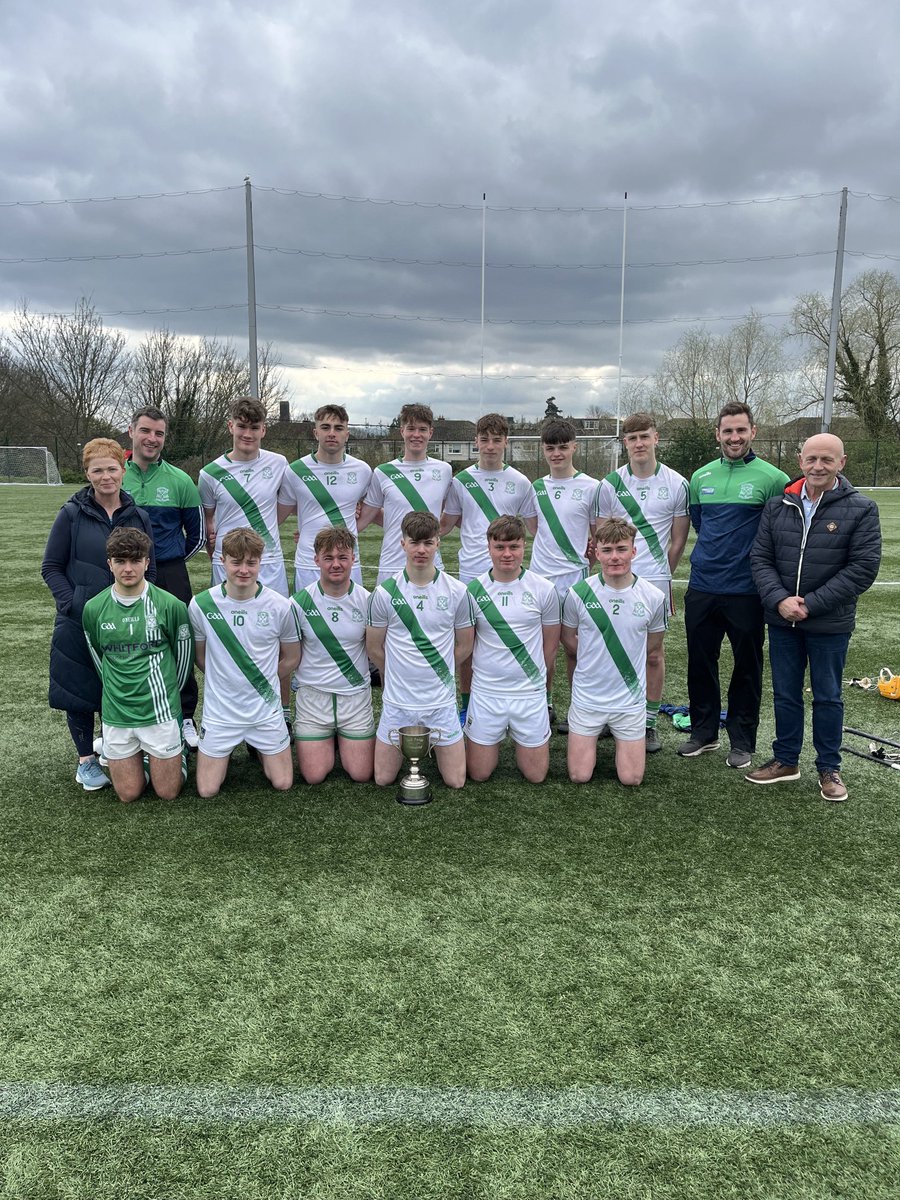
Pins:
x: 448, y: 983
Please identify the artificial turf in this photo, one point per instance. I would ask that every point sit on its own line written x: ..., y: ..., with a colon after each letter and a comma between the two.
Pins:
x: 694, y: 933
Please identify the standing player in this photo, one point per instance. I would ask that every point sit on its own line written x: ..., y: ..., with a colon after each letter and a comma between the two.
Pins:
x: 609, y: 622
x: 421, y: 622
x: 140, y: 640
x: 565, y: 501
x: 727, y: 499
x: 479, y: 494
x: 323, y: 488
x: 655, y: 499
x: 170, y: 499
x: 334, y: 697
x: 516, y: 639
x: 248, y: 645
x: 240, y: 489
x: 412, y: 483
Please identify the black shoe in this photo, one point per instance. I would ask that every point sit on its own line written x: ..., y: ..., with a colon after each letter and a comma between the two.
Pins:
x: 551, y: 715
x: 375, y: 677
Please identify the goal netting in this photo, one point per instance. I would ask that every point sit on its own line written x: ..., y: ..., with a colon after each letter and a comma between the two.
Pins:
x: 28, y: 464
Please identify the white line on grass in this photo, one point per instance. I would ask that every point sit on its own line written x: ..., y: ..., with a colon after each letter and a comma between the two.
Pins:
x: 548, y: 1108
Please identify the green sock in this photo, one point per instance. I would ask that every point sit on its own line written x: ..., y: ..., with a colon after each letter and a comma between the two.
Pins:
x: 652, y: 713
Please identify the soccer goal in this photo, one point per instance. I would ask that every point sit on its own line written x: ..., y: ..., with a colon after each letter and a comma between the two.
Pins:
x: 28, y: 464
x: 596, y: 455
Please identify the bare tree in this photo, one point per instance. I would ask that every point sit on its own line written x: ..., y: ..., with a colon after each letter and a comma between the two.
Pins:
x: 867, y: 363
x: 194, y: 383
x: 73, y: 371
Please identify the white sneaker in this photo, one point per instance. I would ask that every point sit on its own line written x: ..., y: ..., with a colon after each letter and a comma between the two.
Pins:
x: 189, y: 733
x: 98, y: 750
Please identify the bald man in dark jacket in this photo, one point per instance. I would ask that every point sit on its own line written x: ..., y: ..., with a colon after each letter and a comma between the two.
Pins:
x: 817, y: 550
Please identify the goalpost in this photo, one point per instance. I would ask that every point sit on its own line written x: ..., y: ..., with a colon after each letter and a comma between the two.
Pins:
x: 28, y: 464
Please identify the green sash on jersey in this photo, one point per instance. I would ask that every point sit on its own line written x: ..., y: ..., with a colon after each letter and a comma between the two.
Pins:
x: 404, y: 486
x: 545, y: 504
x: 505, y: 632
x: 640, y: 522
x: 617, y: 652
x: 244, y: 500
x: 420, y: 639
x: 321, y: 496
x: 330, y: 643
x: 241, y: 658
x: 478, y: 494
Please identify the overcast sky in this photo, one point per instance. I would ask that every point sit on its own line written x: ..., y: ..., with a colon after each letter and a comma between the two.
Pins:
x: 553, y: 109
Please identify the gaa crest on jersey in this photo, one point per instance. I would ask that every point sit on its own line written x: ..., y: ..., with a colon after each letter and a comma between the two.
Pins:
x: 639, y: 609
x: 162, y: 495
x: 262, y: 617
x: 745, y: 491
x: 510, y: 489
x: 109, y: 626
x: 662, y: 493
x: 443, y: 602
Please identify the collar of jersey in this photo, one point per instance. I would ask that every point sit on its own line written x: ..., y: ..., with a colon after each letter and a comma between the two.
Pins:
x: 603, y: 582
x: 225, y: 596
x: 633, y: 476
x: 322, y: 591
x: 318, y: 464
x: 437, y: 572
x: 241, y: 461
x: 519, y: 576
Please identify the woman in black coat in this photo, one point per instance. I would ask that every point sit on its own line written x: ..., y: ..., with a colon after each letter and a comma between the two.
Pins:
x: 75, y: 569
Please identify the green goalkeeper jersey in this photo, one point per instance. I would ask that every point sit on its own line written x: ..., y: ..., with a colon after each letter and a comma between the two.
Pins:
x: 143, y: 652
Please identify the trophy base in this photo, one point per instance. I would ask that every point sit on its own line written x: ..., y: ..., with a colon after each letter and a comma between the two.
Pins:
x: 414, y: 795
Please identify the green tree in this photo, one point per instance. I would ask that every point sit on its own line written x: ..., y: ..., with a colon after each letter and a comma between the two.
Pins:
x: 867, y: 361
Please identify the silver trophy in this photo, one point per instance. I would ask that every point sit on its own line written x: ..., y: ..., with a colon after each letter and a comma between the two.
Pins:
x: 414, y: 742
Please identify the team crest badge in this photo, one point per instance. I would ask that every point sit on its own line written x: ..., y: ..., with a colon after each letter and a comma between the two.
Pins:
x: 639, y: 610
x: 267, y: 473
x: 510, y: 489
x: 831, y: 526
x: 443, y: 602
x: 351, y: 477
x: 436, y: 475
x: 662, y: 493
x: 183, y: 631
x: 745, y: 492
x: 528, y: 599
x: 357, y: 616
x: 577, y: 494
x: 162, y: 495
x: 262, y: 618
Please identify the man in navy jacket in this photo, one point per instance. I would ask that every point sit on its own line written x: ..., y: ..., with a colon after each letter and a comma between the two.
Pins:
x: 817, y: 550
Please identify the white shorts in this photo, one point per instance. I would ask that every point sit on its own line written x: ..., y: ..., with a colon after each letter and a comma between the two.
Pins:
x: 446, y: 719
x: 625, y: 727
x: 665, y: 586
x: 268, y: 737
x: 304, y: 576
x: 562, y: 583
x: 162, y: 741
x: 271, y: 574
x: 320, y: 715
x: 525, y: 716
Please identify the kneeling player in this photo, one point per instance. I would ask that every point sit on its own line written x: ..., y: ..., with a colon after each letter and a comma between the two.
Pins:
x: 140, y: 640
x: 610, y: 621
x: 420, y: 623
x: 334, y: 696
x: 516, y: 639
x: 248, y: 646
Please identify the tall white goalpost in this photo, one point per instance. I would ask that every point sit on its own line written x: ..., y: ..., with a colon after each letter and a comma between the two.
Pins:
x: 28, y: 464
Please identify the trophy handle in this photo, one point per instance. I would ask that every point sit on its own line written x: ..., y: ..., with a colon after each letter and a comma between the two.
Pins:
x: 395, y: 744
x: 434, y: 737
